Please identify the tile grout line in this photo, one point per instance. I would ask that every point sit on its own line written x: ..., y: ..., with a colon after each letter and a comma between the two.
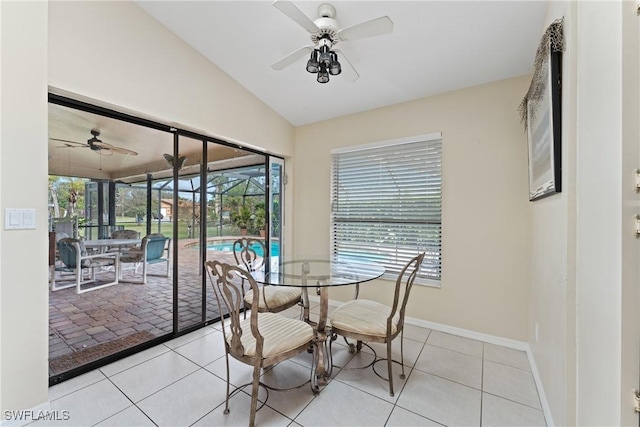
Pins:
x: 130, y: 400
x: 482, y: 384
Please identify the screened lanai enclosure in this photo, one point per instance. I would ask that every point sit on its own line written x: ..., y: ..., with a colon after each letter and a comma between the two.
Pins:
x: 110, y: 171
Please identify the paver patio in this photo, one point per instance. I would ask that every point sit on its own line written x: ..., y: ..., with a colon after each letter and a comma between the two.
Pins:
x: 96, y: 324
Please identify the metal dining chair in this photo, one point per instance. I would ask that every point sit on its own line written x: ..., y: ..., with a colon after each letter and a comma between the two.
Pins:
x: 370, y: 321
x: 263, y: 339
x: 249, y: 253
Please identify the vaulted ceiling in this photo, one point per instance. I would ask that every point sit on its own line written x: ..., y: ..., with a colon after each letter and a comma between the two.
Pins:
x: 435, y: 47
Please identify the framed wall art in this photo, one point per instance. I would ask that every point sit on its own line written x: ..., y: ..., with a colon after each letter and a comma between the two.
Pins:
x: 540, y: 112
x: 544, y: 134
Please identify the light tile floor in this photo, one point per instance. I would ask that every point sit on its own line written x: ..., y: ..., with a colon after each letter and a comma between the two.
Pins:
x: 451, y: 381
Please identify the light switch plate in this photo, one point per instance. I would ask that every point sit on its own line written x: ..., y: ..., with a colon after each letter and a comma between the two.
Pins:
x: 19, y: 219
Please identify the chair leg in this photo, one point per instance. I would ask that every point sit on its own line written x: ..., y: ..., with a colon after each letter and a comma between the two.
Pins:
x: 402, y: 376
x: 226, y: 405
x: 254, y: 394
x: 52, y: 274
x: 389, y: 367
x: 78, y: 279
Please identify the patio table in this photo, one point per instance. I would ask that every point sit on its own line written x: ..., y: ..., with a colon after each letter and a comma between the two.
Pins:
x: 103, y: 244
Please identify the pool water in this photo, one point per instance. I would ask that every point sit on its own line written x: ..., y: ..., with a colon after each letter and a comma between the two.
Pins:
x: 228, y: 247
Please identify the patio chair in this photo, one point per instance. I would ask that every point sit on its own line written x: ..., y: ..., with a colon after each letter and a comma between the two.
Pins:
x: 77, y: 261
x: 68, y: 226
x: 365, y: 320
x: 151, y: 251
x: 272, y: 298
x: 125, y: 234
x: 260, y: 341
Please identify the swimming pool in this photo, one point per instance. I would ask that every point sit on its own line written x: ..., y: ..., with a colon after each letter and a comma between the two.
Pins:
x: 227, y: 246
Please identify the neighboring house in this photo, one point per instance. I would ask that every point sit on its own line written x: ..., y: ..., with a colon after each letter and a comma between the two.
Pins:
x: 186, y: 209
x: 166, y: 209
x: 558, y: 276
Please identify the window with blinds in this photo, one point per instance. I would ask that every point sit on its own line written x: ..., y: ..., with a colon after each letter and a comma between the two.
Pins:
x: 387, y: 203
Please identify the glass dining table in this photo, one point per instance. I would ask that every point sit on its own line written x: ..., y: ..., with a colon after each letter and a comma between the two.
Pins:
x: 319, y: 273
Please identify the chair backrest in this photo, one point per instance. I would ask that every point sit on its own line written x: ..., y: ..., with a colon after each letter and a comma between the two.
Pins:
x: 125, y: 234
x: 246, y: 249
x: 227, y: 281
x: 404, y: 284
x: 61, y: 235
x: 155, y: 245
x: 68, y: 249
x: 68, y: 226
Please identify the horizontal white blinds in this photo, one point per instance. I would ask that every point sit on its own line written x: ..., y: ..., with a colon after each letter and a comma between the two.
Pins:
x: 387, y: 203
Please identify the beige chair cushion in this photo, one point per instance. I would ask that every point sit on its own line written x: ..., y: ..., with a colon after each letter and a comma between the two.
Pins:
x: 364, y: 317
x: 275, y: 296
x: 280, y: 333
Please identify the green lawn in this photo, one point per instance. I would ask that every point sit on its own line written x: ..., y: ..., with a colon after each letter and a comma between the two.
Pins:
x: 166, y: 228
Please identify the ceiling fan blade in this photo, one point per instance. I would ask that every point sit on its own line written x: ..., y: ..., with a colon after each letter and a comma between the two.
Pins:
x: 375, y: 27
x: 292, y: 11
x: 119, y: 150
x: 79, y: 144
x: 348, y: 72
x: 291, y: 58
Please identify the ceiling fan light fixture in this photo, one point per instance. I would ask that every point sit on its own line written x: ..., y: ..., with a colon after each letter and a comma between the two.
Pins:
x: 312, y: 63
x: 325, y: 56
x: 334, y: 67
x: 323, y: 75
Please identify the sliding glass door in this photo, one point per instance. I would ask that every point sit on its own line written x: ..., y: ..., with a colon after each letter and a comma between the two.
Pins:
x: 147, y: 179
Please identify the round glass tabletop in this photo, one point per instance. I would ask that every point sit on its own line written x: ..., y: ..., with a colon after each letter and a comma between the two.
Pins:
x: 319, y: 272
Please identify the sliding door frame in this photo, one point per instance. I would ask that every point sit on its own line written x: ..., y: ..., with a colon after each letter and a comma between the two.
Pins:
x: 177, y: 133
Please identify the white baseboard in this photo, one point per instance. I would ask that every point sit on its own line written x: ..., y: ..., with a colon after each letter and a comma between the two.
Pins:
x: 546, y: 409
x: 491, y: 339
x: 466, y: 333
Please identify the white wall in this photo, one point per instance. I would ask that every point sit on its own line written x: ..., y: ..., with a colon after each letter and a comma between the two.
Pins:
x: 607, y: 253
x: 553, y: 251
x: 486, y: 217
x: 599, y: 157
x: 23, y: 184
x: 630, y: 351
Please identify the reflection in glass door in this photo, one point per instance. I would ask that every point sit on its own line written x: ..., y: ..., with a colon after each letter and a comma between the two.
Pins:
x: 274, y: 202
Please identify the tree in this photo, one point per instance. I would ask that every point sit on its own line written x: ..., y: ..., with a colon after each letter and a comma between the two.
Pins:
x: 67, y: 193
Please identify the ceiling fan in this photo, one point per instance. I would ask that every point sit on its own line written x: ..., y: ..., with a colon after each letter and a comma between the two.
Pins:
x: 96, y: 145
x: 325, y: 34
